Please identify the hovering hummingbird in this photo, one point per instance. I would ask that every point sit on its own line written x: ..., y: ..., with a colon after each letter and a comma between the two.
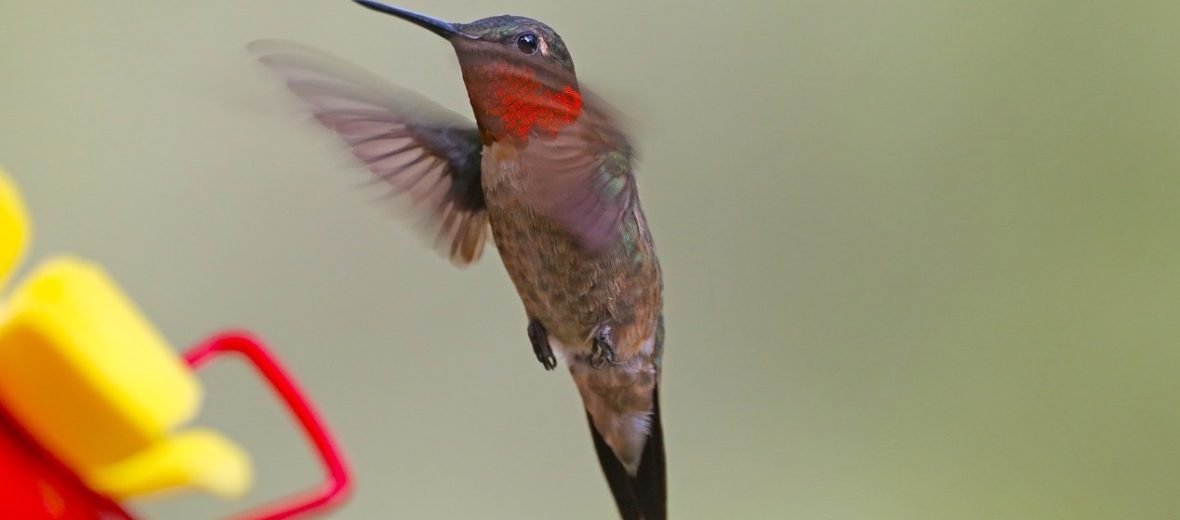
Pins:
x: 546, y: 168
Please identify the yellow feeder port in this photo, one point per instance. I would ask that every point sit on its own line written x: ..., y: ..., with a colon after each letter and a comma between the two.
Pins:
x: 14, y: 228
x: 117, y: 386
x: 93, y: 382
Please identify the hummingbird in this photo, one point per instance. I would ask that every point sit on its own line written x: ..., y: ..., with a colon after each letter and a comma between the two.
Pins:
x: 547, y: 171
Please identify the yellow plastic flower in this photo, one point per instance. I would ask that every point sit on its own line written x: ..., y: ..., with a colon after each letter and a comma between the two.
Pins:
x: 89, y: 377
x: 14, y: 228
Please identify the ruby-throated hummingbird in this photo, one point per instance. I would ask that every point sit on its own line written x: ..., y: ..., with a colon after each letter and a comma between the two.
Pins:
x: 547, y: 168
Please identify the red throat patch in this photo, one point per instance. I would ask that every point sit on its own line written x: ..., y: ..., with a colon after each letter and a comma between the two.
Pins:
x: 521, y: 104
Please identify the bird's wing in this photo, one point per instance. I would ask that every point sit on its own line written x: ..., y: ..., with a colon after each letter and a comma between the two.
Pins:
x: 583, y: 175
x: 417, y: 146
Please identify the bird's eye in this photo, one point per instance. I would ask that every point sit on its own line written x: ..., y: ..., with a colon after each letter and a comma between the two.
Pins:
x: 527, y: 43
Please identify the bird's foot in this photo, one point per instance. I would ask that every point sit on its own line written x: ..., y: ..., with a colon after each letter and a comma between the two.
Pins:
x: 540, y: 340
x: 602, y: 349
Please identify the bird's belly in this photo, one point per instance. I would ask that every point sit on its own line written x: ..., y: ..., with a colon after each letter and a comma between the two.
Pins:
x: 573, y: 292
x: 558, y: 284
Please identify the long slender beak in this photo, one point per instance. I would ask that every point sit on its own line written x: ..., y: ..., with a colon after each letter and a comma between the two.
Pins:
x: 442, y: 28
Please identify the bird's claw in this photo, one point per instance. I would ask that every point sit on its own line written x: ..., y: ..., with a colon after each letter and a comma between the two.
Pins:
x: 540, y: 340
x: 602, y: 350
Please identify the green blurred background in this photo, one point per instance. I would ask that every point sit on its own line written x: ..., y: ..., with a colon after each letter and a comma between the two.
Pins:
x: 921, y: 257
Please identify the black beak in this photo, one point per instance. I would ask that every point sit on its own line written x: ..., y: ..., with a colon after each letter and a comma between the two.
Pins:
x: 434, y: 25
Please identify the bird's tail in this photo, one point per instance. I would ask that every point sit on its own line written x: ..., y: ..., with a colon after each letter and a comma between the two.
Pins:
x: 642, y: 495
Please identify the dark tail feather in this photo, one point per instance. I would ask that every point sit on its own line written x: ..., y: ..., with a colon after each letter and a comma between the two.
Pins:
x: 644, y: 496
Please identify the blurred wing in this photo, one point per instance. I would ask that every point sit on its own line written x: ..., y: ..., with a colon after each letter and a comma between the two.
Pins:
x: 585, y: 180
x: 417, y: 146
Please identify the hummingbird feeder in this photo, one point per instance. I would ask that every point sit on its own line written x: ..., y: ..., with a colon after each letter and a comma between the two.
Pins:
x: 92, y: 400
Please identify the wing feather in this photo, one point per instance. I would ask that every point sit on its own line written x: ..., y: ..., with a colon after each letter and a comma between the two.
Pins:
x: 421, y: 149
x: 587, y: 183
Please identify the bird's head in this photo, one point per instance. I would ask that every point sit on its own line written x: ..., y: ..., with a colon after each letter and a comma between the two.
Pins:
x: 519, y: 75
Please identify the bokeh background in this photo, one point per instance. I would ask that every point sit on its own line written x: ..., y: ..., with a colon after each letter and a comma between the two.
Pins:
x: 922, y: 258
